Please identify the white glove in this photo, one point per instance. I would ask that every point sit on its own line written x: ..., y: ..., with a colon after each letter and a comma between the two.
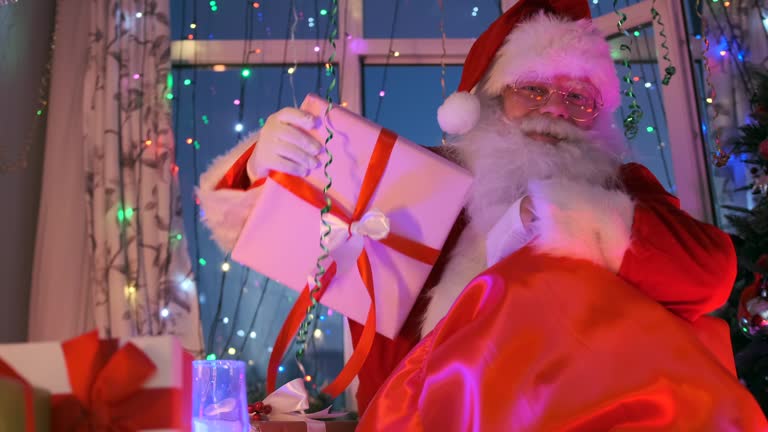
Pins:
x: 285, y: 146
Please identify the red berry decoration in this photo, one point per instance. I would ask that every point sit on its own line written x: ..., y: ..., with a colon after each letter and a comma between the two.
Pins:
x: 762, y: 149
x: 758, y: 321
x: 259, y: 406
x: 762, y: 263
x: 267, y: 409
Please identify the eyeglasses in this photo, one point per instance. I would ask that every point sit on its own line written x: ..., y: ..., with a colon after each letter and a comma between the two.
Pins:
x: 581, y: 100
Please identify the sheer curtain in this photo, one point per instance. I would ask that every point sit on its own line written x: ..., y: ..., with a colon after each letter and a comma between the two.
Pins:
x: 117, y: 255
x: 60, y: 305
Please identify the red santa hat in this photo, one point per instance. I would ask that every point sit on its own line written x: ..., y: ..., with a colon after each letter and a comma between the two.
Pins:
x: 539, y: 37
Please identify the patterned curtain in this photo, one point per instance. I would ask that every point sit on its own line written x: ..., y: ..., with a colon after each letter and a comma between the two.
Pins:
x: 141, y: 277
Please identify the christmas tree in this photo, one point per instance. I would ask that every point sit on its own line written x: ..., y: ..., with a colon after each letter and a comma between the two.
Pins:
x: 747, y: 308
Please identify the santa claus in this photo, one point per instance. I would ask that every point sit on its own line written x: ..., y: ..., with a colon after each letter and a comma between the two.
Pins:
x: 532, y: 120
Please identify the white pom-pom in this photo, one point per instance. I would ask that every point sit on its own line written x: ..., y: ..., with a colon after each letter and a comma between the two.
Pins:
x: 459, y: 113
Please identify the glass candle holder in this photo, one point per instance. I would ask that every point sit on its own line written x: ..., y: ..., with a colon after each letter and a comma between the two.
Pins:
x: 219, y: 402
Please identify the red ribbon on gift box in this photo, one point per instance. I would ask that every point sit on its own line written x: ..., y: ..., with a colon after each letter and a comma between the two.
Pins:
x: 107, y: 390
x: 428, y: 255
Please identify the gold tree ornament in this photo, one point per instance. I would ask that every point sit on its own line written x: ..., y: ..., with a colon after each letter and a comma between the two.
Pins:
x: 720, y: 158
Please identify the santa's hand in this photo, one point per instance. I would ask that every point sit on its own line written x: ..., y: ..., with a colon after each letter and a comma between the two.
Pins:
x: 285, y: 146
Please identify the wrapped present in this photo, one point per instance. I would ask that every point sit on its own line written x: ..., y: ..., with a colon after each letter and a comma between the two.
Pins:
x: 284, y: 426
x: 283, y: 411
x: 417, y: 198
x: 393, y: 205
x: 13, y: 401
x: 142, y: 383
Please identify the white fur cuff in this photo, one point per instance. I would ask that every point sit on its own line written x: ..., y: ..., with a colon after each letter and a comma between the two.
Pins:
x: 225, y: 210
x: 580, y: 220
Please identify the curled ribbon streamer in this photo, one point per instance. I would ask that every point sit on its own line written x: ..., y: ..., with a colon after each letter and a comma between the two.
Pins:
x: 289, y: 403
x: 107, y: 393
x: 428, y: 255
x: 632, y: 120
x: 670, y: 70
x: 301, y: 337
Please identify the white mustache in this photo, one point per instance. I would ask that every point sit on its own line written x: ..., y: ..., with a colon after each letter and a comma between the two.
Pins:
x: 557, y: 128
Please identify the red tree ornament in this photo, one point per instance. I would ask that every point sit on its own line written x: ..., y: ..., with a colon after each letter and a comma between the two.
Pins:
x: 762, y: 149
x: 762, y: 263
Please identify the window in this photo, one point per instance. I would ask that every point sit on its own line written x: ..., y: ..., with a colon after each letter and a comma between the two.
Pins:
x: 734, y: 36
x: 241, y: 311
x: 386, y: 61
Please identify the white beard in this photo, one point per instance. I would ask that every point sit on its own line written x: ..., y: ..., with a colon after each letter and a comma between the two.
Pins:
x: 503, y: 160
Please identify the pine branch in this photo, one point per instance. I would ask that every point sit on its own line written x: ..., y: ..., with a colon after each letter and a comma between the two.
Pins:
x: 737, y: 209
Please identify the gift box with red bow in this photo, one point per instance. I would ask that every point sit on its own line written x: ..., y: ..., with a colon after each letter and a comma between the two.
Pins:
x: 284, y: 410
x: 287, y: 426
x: 142, y: 383
x: 392, y: 199
x: 393, y: 205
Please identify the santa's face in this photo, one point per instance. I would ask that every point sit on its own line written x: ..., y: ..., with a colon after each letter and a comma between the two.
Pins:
x: 572, y: 100
x: 511, y: 147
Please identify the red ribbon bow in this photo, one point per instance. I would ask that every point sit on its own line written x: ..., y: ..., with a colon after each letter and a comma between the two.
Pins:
x: 428, y: 255
x: 107, y: 393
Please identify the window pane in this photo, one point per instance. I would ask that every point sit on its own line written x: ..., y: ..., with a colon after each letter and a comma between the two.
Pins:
x: 732, y: 83
x: 252, y: 308
x: 413, y: 94
x: 650, y: 146
x: 421, y: 19
x: 414, y: 90
x: 605, y: 7
x: 241, y: 20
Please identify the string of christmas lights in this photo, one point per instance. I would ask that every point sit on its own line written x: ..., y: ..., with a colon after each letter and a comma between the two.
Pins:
x: 292, y: 69
x: 124, y: 213
x: 190, y: 279
x: 21, y: 161
x: 390, y: 54
x: 216, y: 350
x: 443, y: 68
x: 654, y: 129
x: 240, y: 103
x: 732, y: 48
x: 719, y: 157
x: 245, y: 74
x: 141, y: 274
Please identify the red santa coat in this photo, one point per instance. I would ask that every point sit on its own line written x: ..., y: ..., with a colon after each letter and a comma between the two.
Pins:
x: 685, y: 265
x: 542, y: 343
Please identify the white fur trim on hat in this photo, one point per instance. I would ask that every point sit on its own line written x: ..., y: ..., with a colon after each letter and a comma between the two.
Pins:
x: 547, y: 45
x: 459, y: 113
